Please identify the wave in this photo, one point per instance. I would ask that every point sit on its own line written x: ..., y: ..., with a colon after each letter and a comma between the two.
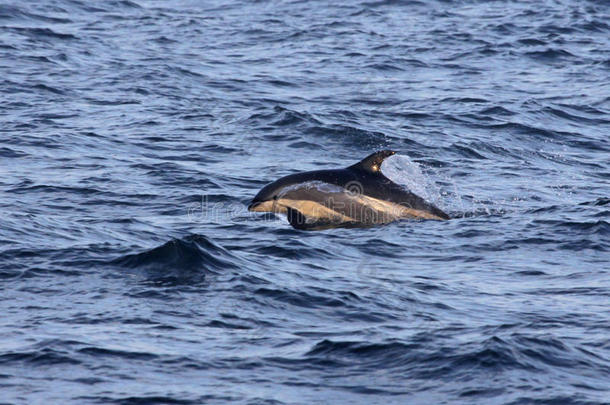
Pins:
x: 423, y: 359
x: 41, y: 33
x: 180, y: 261
x: 151, y: 399
x: 43, y: 357
x: 10, y: 12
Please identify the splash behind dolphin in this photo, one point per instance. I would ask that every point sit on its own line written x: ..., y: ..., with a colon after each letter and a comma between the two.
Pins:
x: 357, y: 196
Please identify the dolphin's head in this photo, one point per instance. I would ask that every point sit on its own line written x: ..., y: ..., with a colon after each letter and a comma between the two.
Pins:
x: 266, y: 199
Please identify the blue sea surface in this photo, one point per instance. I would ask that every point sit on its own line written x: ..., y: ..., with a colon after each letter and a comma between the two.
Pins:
x: 133, y: 134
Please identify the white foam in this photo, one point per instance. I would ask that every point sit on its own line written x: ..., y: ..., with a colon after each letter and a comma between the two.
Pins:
x: 402, y: 170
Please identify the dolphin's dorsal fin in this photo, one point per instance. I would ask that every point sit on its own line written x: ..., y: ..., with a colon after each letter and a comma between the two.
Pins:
x: 372, y: 163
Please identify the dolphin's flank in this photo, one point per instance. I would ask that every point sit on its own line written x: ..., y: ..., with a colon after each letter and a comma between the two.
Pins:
x: 357, y: 196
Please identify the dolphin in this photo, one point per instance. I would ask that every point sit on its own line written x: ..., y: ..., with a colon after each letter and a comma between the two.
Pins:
x: 357, y: 196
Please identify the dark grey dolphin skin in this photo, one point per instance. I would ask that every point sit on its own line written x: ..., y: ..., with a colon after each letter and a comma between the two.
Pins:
x: 361, y: 196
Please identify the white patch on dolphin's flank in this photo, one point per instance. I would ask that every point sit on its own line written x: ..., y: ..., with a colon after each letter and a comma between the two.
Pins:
x: 315, y: 211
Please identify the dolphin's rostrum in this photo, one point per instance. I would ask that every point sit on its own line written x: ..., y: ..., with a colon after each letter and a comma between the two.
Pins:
x: 359, y: 195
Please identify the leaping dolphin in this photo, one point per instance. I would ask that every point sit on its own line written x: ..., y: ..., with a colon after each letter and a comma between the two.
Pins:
x: 357, y: 196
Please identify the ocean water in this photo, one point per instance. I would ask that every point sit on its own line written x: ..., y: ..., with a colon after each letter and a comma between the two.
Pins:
x: 134, y: 133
